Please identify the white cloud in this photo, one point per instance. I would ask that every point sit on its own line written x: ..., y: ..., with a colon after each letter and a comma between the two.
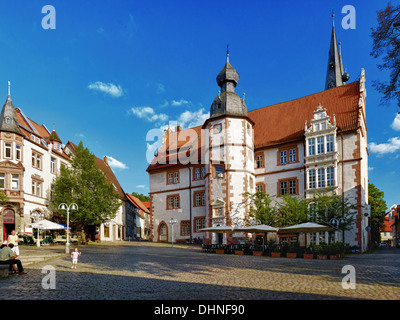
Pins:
x: 371, y: 168
x: 396, y: 123
x: 189, y: 119
x: 391, y: 146
x: 140, y: 186
x: 149, y: 114
x: 179, y: 103
x: 108, y: 88
x: 115, y: 164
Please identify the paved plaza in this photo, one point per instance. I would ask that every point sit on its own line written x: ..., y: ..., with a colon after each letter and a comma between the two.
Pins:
x: 151, y: 271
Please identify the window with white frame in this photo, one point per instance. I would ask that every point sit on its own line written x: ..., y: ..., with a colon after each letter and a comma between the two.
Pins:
x: 200, y: 223
x: 15, y: 181
x: 311, y: 146
x: 197, y: 174
x: 2, y: 180
x: 7, y: 150
x: 320, y: 145
x: 292, y: 155
x: 329, y: 143
x: 173, y: 202
x: 203, y: 172
x: 52, y: 165
x: 18, y: 153
x: 36, y: 160
x: 311, y: 179
x: 199, y: 199
x: 330, y: 176
x: 36, y: 188
x: 321, y: 178
x: 259, y: 161
x: 283, y: 157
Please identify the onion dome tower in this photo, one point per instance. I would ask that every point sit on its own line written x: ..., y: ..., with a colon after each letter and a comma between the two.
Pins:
x: 228, y: 102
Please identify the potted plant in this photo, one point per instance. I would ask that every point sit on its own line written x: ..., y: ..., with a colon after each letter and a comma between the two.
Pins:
x: 291, y: 252
x: 308, y: 254
x: 220, y: 249
x: 257, y: 250
x: 322, y: 252
x: 239, y: 250
x: 276, y: 253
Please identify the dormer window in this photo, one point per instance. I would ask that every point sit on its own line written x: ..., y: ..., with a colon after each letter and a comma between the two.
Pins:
x: 8, y: 120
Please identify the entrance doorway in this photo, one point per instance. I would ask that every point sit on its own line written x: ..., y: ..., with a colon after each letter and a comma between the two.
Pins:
x: 8, y: 222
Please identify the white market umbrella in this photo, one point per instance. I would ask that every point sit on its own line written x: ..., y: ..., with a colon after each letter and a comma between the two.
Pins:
x: 47, y: 225
x: 261, y: 228
x: 308, y: 227
x: 219, y: 229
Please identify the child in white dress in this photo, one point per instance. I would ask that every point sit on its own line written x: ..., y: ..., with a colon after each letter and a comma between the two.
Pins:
x: 74, y: 256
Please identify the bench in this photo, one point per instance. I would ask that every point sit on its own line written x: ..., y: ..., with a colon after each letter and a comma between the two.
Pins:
x: 4, y: 270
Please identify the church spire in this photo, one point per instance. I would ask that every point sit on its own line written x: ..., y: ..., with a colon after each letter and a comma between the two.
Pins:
x: 335, y: 76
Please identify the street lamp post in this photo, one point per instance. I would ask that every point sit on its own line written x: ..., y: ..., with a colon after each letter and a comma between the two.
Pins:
x: 337, y: 222
x: 64, y: 206
x: 172, y: 221
x: 38, y: 215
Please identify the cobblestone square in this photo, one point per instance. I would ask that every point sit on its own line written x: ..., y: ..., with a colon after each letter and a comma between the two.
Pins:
x: 152, y: 271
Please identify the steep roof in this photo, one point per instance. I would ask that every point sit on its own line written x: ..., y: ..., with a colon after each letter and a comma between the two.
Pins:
x: 284, y: 122
x: 276, y: 124
x: 137, y: 203
x: 103, y: 166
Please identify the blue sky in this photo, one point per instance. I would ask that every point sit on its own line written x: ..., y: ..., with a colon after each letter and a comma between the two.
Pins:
x: 112, y: 71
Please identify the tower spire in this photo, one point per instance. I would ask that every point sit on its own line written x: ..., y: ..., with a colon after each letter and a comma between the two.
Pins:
x: 335, y: 75
x: 9, y: 88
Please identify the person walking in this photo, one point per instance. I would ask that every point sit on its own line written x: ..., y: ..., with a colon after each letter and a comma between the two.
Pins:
x: 7, y: 257
x: 74, y: 255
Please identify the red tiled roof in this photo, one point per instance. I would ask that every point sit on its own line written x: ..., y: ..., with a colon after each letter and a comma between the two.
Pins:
x: 281, y: 123
x: 284, y: 122
x: 137, y: 203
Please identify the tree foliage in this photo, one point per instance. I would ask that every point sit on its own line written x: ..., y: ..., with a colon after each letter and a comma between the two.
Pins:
x: 378, y: 210
x: 262, y: 207
x: 87, y: 186
x: 386, y: 45
x: 141, y: 196
x: 293, y: 210
x: 327, y: 205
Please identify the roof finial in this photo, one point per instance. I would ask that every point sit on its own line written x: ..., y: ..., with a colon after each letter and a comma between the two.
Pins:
x: 54, y: 126
x: 9, y: 88
x: 227, y: 53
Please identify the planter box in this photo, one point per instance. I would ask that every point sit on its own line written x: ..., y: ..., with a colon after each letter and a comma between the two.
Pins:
x: 257, y: 253
x: 334, y: 256
x: 308, y: 256
x: 239, y: 252
x: 220, y: 251
x: 291, y: 255
x: 275, y: 254
x: 322, y: 257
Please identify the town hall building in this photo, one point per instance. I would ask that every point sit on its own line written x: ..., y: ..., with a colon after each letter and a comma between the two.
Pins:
x: 318, y: 142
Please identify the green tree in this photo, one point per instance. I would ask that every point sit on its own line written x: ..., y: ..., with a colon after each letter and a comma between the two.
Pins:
x: 141, y: 196
x: 386, y: 45
x: 87, y: 186
x: 262, y: 207
x: 293, y: 210
x: 378, y: 210
x: 327, y: 205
